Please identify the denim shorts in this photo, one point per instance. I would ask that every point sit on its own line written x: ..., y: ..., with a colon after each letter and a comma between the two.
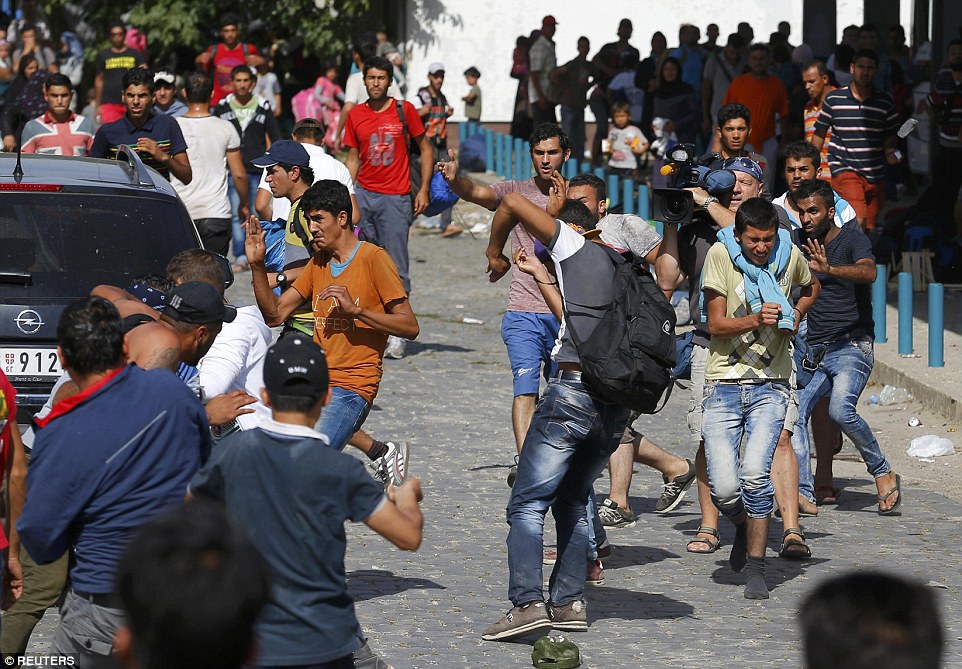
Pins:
x: 529, y: 338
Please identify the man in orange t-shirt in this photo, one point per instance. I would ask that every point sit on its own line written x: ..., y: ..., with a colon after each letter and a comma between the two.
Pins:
x: 358, y: 299
x: 766, y: 99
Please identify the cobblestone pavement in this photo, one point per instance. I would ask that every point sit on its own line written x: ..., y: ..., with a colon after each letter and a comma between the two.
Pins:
x: 450, y: 399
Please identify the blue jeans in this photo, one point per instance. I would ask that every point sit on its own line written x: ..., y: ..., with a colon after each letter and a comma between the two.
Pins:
x: 342, y: 417
x: 731, y: 411
x: 237, y: 226
x: 573, y: 124
x: 570, y: 439
x: 841, y: 374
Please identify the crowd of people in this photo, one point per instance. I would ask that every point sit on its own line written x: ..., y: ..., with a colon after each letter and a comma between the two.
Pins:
x: 252, y: 407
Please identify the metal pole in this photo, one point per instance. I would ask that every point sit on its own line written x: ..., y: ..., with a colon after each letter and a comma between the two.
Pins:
x: 936, y: 325
x: 628, y: 196
x: 600, y: 173
x: 488, y: 150
x: 905, y: 313
x: 585, y: 168
x: 614, y: 196
x: 643, y: 209
x: 519, y: 160
x: 879, y: 299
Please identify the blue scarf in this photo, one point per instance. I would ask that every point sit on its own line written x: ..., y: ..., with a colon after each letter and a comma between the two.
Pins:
x: 761, y: 284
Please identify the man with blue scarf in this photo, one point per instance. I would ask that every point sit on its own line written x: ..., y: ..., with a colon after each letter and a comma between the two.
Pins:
x: 747, y: 278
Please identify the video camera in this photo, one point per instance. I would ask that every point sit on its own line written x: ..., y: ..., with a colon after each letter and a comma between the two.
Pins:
x: 676, y: 205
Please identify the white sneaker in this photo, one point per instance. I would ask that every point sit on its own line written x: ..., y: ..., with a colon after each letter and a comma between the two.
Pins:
x: 395, y: 347
x: 392, y: 467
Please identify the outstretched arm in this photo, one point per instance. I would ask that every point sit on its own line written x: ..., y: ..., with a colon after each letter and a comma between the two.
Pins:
x: 463, y: 187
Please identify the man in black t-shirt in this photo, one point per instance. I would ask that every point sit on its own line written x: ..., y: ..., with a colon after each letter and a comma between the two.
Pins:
x: 111, y: 64
x: 840, y: 338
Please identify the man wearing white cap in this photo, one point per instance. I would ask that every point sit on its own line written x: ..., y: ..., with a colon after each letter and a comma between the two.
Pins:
x: 434, y: 110
x: 165, y: 95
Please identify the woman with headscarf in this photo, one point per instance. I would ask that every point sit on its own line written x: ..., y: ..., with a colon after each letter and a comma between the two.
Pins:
x: 674, y: 102
x: 70, y: 57
x: 23, y: 101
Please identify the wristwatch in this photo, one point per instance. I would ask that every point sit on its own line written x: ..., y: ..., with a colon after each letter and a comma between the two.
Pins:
x: 708, y: 201
x: 281, y: 279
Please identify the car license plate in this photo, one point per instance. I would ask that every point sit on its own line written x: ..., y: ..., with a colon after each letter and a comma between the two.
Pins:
x: 31, y: 362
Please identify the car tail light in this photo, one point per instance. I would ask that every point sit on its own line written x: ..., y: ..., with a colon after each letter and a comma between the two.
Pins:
x: 48, y: 188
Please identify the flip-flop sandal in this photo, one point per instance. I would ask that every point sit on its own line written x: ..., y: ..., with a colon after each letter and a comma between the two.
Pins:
x: 826, y: 494
x: 794, y: 550
x: 712, y: 547
x: 898, y: 502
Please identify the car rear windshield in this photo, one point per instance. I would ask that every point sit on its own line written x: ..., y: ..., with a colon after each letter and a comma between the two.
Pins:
x: 57, y: 245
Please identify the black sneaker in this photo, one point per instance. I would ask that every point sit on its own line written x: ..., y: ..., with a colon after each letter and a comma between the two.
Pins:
x: 613, y: 515
x: 674, y: 491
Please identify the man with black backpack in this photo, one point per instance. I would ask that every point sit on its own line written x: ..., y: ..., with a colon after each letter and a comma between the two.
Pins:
x: 378, y: 135
x: 578, y: 423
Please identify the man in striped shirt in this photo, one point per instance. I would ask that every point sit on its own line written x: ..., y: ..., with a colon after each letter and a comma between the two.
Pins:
x: 815, y: 78
x: 863, y: 123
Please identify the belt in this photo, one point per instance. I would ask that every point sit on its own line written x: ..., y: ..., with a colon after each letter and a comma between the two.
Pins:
x: 108, y: 600
x: 568, y: 375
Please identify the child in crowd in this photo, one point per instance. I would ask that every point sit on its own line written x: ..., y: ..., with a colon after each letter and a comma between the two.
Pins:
x: 625, y: 142
x: 268, y: 88
x: 472, y: 101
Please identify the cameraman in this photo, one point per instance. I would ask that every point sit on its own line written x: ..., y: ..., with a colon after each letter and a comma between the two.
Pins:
x: 694, y: 240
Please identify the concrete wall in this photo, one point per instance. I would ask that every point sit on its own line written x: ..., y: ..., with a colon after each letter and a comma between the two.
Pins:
x: 461, y: 33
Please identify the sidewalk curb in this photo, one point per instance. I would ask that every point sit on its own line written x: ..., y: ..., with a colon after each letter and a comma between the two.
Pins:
x: 931, y: 397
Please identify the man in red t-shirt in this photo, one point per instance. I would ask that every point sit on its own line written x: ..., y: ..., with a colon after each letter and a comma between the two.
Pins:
x: 227, y: 55
x: 379, y: 162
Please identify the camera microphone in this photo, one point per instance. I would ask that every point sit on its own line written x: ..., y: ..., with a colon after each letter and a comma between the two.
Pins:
x: 667, y: 169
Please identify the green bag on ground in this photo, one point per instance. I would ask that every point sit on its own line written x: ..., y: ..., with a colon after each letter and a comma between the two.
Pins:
x: 557, y: 652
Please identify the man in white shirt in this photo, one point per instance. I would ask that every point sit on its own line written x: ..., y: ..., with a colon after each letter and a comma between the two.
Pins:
x: 214, y: 149
x: 542, y: 60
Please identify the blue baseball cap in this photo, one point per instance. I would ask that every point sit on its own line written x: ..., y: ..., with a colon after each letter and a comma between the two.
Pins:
x: 286, y: 152
x: 742, y: 164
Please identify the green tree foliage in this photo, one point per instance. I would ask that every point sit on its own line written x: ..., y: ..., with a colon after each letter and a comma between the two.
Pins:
x: 325, y: 27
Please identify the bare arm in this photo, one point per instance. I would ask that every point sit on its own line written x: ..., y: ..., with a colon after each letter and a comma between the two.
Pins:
x: 464, y: 188
x: 547, y: 284
x: 355, y: 211
x: 721, y: 214
x: 515, y: 208
x: 664, y: 258
x: 179, y: 166
x: 399, y: 319
x: 720, y: 325
x: 353, y: 162
x: 400, y: 520
x: 275, y: 309
x: 235, y: 163
x: 264, y: 204
x: 348, y: 106
x: 98, y: 90
x: 423, y: 198
x: 806, y: 299
x: 16, y: 494
x: 863, y: 271
x: 818, y: 139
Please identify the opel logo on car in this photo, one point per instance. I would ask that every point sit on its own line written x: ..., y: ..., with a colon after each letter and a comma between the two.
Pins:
x: 28, y: 321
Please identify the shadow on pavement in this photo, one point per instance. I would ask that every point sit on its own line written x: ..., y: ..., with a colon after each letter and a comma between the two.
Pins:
x: 630, y: 556
x: 617, y: 603
x: 366, y: 584
x: 415, y: 347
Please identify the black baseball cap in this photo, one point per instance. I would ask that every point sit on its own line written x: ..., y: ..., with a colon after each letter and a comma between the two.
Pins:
x: 199, y: 303
x: 286, y: 152
x: 295, y: 365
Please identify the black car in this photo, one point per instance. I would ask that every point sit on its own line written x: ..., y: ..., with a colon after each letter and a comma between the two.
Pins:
x: 67, y: 225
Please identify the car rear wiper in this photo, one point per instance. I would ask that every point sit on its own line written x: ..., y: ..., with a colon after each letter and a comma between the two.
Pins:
x: 16, y: 278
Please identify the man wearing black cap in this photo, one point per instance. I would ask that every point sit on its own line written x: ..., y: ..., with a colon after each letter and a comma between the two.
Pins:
x: 310, y: 619
x: 106, y: 461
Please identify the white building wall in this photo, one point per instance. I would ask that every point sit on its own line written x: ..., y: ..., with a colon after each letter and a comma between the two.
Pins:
x: 461, y: 33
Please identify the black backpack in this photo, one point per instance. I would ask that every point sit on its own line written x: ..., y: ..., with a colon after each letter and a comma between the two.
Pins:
x: 628, y: 357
